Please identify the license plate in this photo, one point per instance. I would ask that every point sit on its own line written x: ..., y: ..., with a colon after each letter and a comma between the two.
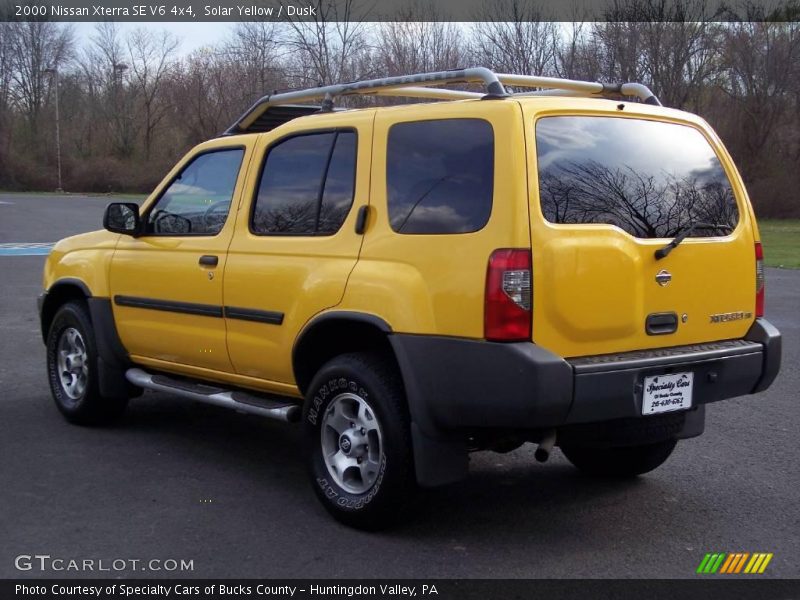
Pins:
x: 665, y: 393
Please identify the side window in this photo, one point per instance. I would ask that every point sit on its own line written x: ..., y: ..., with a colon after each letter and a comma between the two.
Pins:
x: 307, y: 185
x: 340, y: 183
x: 198, y: 200
x: 440, y: 176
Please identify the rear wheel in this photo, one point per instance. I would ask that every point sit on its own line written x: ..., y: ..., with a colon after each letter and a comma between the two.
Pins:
x: 621, y: 461
x: 357, y: 430
x: 72, y: 369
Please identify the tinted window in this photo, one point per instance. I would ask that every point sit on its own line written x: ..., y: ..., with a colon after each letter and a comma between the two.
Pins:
x: 440, y: 175
x: 651, y: 179
x: 307, y: 185
x: 198, y: 200
x: 339, y: 185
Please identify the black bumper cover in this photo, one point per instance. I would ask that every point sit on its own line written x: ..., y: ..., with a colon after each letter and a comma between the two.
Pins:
x: 455, y: 384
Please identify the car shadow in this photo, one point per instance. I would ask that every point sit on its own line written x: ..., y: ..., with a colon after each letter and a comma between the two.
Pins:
x: 510, y: 496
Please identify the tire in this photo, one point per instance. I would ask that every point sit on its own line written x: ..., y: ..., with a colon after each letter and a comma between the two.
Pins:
x: 621, y: 461
x: 72, y: 369
x: 359, y: 446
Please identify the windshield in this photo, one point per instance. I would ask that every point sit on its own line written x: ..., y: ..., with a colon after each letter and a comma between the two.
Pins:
x: 651, y: 179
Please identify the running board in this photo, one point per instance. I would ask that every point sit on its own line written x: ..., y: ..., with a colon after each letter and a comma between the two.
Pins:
x: 282, y: 410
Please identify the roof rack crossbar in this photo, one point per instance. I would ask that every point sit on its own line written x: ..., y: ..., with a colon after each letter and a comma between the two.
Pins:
x: 588, y: 88
x: 421, y: 86
x: 432, y: 93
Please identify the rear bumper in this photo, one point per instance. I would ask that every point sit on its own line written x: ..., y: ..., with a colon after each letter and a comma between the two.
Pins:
x: 612, y: 389
x: 455, y: 384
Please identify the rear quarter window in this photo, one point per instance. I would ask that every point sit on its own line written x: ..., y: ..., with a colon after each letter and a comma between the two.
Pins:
x: 440, y: 176
x: 649, y: 178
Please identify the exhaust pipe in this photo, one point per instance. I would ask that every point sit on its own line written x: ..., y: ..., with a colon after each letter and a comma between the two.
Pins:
x: 545, y: 446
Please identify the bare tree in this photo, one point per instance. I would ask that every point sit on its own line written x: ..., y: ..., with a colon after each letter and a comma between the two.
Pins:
x: 569, y: 57
x: 256, y: 54
x: 151, y: 62
x: 330, y: 48
x: 5, y: 67
x: 672, y: 45
x: 36, y: 48
x: 515, y: 36
x: 759, y: 79
x: 104, y: 66
x: 417, y: 40
x: 133, y: 101
x: 5, y: 88
x: 201, y: 99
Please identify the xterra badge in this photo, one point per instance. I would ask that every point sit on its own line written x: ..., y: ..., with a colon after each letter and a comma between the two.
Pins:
x: 731, y: 316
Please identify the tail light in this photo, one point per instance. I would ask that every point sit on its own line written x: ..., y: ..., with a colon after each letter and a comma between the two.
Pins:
x: 759, y: 280
x: 508, y: 299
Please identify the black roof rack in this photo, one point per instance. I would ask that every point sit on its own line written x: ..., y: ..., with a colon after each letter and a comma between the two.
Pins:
x: 276, y: 115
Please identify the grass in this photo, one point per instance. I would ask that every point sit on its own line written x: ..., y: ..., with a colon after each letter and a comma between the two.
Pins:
x: 781, y: 239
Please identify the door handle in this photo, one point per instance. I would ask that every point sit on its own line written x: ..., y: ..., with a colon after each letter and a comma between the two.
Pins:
x: 361, y: 219
x: 661, y: 323
x: 208, y: 260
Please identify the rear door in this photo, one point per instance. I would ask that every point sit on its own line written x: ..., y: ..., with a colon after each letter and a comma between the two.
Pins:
x: 607, y: 191
x: 296, y: 241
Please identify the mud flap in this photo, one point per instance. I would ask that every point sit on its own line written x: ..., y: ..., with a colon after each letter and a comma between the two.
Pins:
x: 438, y: 462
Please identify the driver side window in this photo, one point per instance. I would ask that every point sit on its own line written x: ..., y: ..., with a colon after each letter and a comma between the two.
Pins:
x: 199, y: 198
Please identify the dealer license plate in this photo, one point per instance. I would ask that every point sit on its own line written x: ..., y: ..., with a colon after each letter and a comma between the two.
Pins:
x: 665, y: 393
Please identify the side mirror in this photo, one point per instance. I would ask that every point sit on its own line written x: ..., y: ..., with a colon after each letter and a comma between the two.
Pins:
x: 122, y: 217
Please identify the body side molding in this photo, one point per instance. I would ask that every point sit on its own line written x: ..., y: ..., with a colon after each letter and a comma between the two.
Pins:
x: 191, y: 308
x: 204, y: 310
x: 250, y: 314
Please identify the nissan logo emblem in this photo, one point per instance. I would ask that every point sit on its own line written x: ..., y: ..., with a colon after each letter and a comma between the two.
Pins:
x: 663, y: 277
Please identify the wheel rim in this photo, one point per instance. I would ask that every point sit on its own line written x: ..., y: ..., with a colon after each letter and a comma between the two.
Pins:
x: 72, y: 363
x: 352, y: 443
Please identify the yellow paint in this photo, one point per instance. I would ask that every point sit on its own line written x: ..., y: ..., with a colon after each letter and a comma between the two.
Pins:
x: 434, y: 284
x: 167, y: 268
x: 84, y: 257
x: 298, y: 276
x: 593, y: 285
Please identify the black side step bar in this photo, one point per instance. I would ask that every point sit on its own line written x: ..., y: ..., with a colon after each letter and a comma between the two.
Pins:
x: 274, y: 407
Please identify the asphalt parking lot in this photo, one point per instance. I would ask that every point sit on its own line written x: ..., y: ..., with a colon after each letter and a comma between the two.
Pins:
x: 175, y: 480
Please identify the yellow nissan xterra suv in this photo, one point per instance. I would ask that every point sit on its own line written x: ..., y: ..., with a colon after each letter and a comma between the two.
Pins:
x: 566, y: 266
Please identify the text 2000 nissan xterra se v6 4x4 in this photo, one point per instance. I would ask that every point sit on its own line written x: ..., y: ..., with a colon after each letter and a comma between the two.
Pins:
x: 416, y: 282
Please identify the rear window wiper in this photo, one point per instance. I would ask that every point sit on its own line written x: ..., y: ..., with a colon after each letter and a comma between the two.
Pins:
x: 662, y: 252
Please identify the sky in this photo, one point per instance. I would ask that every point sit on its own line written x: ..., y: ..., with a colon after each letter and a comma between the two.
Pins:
x: 192, y: 35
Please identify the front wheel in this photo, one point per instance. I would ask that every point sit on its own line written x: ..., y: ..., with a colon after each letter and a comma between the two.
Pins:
x: 621, y: 461
x: 357, y: 431
x: 72, y: 369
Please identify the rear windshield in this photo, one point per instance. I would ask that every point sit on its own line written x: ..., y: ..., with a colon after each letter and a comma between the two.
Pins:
x: 649, y: 178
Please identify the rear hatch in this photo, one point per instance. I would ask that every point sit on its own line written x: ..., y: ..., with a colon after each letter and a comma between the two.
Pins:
x: 607, y: 191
